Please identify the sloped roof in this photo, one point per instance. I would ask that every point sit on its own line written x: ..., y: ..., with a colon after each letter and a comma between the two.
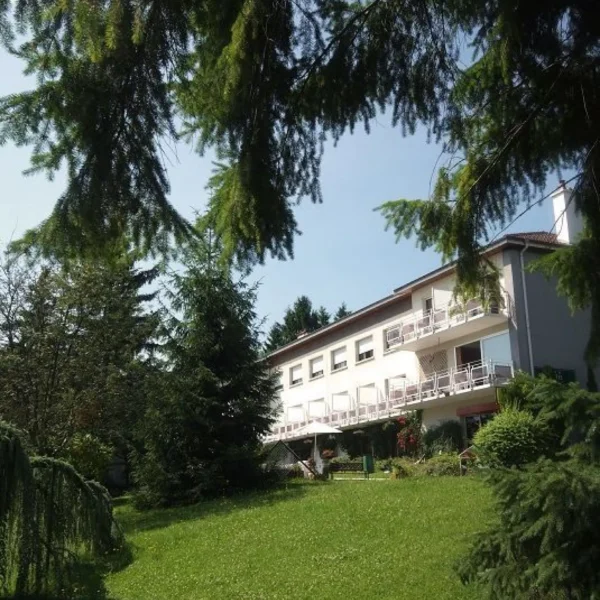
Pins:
x: 545, y: 240
x: 543, y: 237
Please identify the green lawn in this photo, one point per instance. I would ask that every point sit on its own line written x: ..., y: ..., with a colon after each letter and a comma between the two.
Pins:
x: 347, y: 539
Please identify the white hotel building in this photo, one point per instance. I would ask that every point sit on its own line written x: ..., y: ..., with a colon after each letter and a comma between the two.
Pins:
x: 416, y: 349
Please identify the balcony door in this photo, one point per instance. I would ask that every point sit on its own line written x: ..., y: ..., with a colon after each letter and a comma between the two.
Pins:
x: 468, y: 353
x: 495, y: 348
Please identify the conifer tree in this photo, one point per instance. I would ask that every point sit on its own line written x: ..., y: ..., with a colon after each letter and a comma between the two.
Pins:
x: 298, y: 319
x: 76, y: 348
x: 204, y: 428
x: 265, y: 82
x: 50, y: 516
x: 546, y: 539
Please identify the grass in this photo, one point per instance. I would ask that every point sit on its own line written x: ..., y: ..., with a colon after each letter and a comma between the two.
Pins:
x: 395, y: 539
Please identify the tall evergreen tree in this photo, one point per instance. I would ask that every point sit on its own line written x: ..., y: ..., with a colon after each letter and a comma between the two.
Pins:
x: 75, y: 352
x: 548, y: 527
x: 299, y: 318
x: 265, y: 82
x: 342, y: 312
x: 203, y: 431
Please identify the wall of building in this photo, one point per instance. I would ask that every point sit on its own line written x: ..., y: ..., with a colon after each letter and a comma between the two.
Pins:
x: 441, y: 290
x: 371, y: 372
x: 450, y: 346
x: 435, y: 415
x: 366, y: 381
x: 558, y: 337
x: 516, y: 324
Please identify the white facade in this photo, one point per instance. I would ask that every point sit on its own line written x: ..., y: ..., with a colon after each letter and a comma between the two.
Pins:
x: 414, y: 349
x: 567, y: 221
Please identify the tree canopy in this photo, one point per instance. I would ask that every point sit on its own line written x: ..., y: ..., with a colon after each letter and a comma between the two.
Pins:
x: 204, y: 425
x: 301, y: 317
x: 50, y: 517
x: 75, y: 348
x: 548, y: 505
x: 266, y: 82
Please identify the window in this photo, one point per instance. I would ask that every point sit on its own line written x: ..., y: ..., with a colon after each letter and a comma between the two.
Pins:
x: 316, y: 367
x: 392, y: 337
x: 364, y: 349
x: 296, y: 375
x: 468, y: 353
x: 428, y: 304
x: 278, y: 381
x: 561, y: 375
x: 338, y: 359
x: 497, y: 348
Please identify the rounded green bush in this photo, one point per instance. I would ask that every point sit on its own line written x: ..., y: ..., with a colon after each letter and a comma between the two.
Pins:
x: 442, y: 464
x: 514, y: 437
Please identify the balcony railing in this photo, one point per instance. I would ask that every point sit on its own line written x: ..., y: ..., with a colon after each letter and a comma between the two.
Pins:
x: 404, y: 394
x: 451, y: 382
x: 425, y: 323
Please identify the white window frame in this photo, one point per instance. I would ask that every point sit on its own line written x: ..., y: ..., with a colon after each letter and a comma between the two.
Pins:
x: 321, y: 372
x: 279, y: 378
x: 295, y: 382
x: 368, y: 354
x: 343, y: 364
x: 425, y: 300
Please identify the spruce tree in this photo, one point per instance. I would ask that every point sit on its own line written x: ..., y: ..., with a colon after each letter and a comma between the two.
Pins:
x: 545, y: 542
x: 298, y: 319
x: 202, y: 434
x: 265, y: 82
x: 342, y: 312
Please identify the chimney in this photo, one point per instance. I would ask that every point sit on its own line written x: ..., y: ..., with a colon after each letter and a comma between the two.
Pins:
x: 568, y: 223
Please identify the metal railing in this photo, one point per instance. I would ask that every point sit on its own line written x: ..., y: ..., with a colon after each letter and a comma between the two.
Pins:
x: 451, y: 382
x: 403, y: 394
x: 424, y: 323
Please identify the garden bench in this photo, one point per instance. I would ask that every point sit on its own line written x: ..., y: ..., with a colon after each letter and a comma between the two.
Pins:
x: 355, y: 466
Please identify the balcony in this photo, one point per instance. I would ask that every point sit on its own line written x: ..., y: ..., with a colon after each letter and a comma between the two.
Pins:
x: 440, y: 324
x: 465, y: 378
x: 474, y: 378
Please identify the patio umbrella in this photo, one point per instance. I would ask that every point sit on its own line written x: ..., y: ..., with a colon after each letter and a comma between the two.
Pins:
x: 315, y: 428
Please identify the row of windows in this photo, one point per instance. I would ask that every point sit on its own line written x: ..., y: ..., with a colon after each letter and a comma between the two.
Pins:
x: 338, y: 357
x: 363, y: 351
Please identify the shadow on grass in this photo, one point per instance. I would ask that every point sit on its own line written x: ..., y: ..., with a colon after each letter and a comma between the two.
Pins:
x: 86, y: 580
x: 132, y: 520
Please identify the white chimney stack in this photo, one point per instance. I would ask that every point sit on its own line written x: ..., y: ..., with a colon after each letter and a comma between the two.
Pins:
x: 568, y: 222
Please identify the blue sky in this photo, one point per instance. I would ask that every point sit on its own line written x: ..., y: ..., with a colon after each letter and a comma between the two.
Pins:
x: 344, y: 254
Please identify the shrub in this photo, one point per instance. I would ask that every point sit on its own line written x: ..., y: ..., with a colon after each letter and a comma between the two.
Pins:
x: 384, y: 464
x: 442, y: 464
x: 514, y: 437
x: 89, y: 456
x: 402, y: 468
x: 444, y: 438
x: 410, y: 435
x: 295, y: 472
